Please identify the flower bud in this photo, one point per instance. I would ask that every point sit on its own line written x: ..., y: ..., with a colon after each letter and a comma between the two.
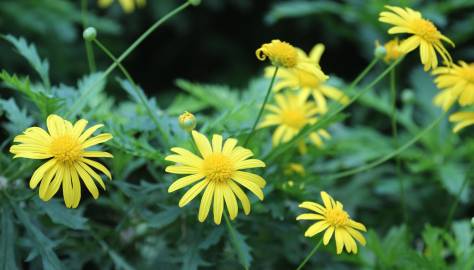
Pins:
x: 408, y: 97
x: 89, y: 34
x: 187, y: 121
x: 379, y: 51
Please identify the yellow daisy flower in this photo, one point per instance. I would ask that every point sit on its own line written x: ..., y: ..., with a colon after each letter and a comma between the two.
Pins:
x: 334, y: 221
x: 462, y: 120
x: 457, y: 84
x: 392, y: 50
x: 217, y: 171
x: 64, y: 146
x: 424, y: 34
x: 284, y: 55
x: 291, y: 113
x: 308, y: 81
x: 127, y: 5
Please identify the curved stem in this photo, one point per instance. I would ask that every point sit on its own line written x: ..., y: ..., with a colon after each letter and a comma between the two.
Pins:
x: 124, y: 55
x: 265, y: 100
x: 309, y: 255
x: 390, y: 155
x: 455, y: 203
x: 87, y: 43
x: 138, y: 92
x: 363, y: 73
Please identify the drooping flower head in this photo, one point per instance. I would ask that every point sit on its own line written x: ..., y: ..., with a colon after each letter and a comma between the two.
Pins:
x: 216, y: 169
x: 64, y: 146
x: 127, y: 5
x: 280, y: 53
x: 424, y: 34
x: 392, y: 50
x: 291, y: 113
x: 456, y: 83
x: 314, y: 82
x: 462, y: 120
x: 332, y: 219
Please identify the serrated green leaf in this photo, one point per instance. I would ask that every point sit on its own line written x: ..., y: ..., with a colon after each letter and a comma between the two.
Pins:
x: 42, y: 244
x: 7, y: 241
x: 29, y: 52
x: 59, y: 214
x: 18, y: 120
x: 222, y: 96
x: 241, y: 247
x: 452, y: 176
x: 164, y: 217
x: 87, y: 89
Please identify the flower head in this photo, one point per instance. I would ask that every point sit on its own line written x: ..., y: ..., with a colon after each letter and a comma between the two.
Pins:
x: 392, y: 50
x: 462, y: 120
x: 313, y: 81
x: 424, y: 34
x: 291, y: 113
x: 217, y: 170
x: 187, y: 121
x: 64, y: 146
x: 127, y: 5
x: 457, y: 84
x: 282, y: 54
x: 333, y: 220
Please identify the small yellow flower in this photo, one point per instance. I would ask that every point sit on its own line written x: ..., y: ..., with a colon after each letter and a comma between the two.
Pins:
x: 295, y: 168
x: 333, y: 220
x: 64, y: 146
x: 217, y: 171
x: 291, y: 113
x: 392, y: 50
x: 424, y: 34
x: 457, y: 84
x: 308, y: 81
x: 282, y: 54
x: 127, y: 5
x: 462, y: 120
x: 187, y: 121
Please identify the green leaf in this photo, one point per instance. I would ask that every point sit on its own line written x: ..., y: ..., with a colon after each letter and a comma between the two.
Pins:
x: 87, y: 90
x: 184, y: 103
x: 164, y: 218
x: 301, y: 8
x: 18, y: 120
x: 7, y: 241
x: 452, y: 176
x: 223, y: 97
x: 241, y: 247
x: 59, y: 214
x: 29, y: 52
x: 42, y: 244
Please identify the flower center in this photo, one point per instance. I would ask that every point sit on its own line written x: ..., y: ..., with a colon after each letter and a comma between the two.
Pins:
x: 218, y: 167
x: 293, y: 118
x: 280, y: 53
x: 426, y: 30
x: 337, y: 217
x: 307, y: 79
x: 66, y: 148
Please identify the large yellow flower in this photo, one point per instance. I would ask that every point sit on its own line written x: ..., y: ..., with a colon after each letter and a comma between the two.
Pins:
x: 334, y: 221
x: 424, y: 34
x: 457, y: 84
x: 64, y: 146
x: 217, y: 171
x: 308, y: 81
x: 291, y: 113
x: 462, y: 120
x: 127, y: 5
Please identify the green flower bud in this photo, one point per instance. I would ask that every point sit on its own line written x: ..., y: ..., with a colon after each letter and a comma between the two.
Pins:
x: 89, y: 34
x: 187, y: 121
x: 379, y: 51
x: 408, y: 97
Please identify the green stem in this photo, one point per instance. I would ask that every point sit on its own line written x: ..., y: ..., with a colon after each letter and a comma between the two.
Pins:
x: 262, y: 108
x: 455, y: 203
x: 363, y: 73
x: 124, y: 55
x: 233, y: 237
x: 87, y: 43
x: 393, y: 93
x: 138, y: 92
x: 390, y: 155
x: 309, y: 255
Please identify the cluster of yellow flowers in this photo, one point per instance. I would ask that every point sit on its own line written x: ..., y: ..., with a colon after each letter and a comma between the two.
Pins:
x: 456, y: 81
x: 217, y: 167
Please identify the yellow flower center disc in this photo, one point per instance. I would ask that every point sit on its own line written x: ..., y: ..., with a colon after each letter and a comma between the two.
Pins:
x: 218, y: 167
x: 65, y: 148
x: 337, y: 217
x: 426, y: 30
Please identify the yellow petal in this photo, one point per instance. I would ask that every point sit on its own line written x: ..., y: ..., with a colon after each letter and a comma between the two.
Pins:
x: 185, y: 181
x: 254, y: 188
x: 193, y: 192
x: 230, y: 201
x: 206, y: 202
x: 218, y: 204
x: 202, y: 143
x: 316, y: 228
x: 244, y: 200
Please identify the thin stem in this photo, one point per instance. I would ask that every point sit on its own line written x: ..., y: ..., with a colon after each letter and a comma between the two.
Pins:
x: 138, y: 92
x: 390, y: 155
x: 233, y: 237
x: 87, y: 43
x: 265, y: 100
x: 393, y: 93
x: 309, y: 255
x: 455, y: 203
x: 363, y: 73
x: 124, y: 55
